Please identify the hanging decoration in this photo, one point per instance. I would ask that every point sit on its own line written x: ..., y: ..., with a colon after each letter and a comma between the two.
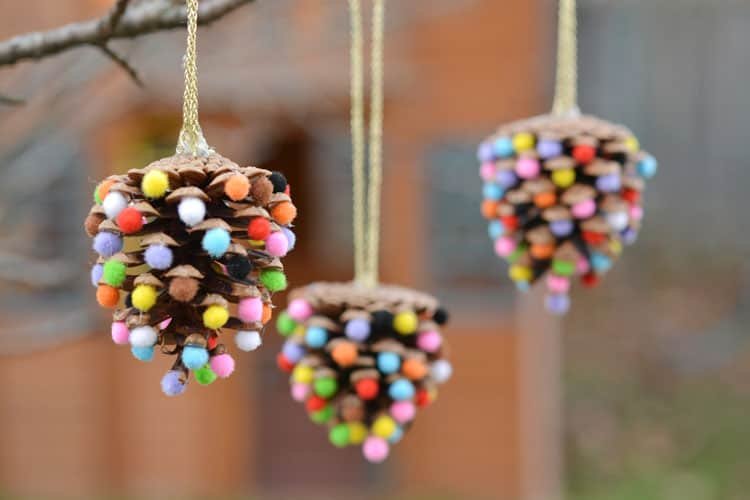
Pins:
x: 562, y: 192
x: 362, y: 356
x: 189, y: 248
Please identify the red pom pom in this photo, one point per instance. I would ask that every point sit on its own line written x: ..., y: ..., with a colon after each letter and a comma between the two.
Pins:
x: 584, y: 154
x: 422, y: 398
x: 288, y: 190
x: 315, y: 403
x: 211, y: 343
x: 631, y: 195
x: 283, y: 363
x: 367, y: 389
x: 590, y: 280
x: 130, y: 220
x: 259, y: 229
x: 510, y: 223
x: 593, y: 238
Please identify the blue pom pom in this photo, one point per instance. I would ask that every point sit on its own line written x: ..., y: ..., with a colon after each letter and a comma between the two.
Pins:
x: 316, y: 337
x: 96, y: 274
x: 522, y: 286
x: 492, y: 191
x: 158, y: 257
x: 171, y: 385
x: 557, y: 303
x: 647, y: 167
x: 216, y: 242
x: 293, y: 351
x: 401, y: 390
x: 503, y: 147
x: 194, y: 357
x: 291, y: 238
x: 357, y: 329
x: 396, y: 436
x: 485, y: 152
x: 495, y: 229
x: 389, y: 362
x: 107, y: 244
x: 143, y: 353
x: 600, y: 262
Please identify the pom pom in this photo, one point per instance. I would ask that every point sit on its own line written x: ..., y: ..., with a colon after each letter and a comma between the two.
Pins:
x: 322, y: 416
x: 205, y: 375
x: 114, y: 273
x: 258, y: 229
x: 316, y: 337
x: 383, y: 426
x: 194, y: 357
x: 142, y: 353
x: 584, y: 153
x: 171, y: 383
x: 429, y: 341
x: 290, y: 237
x: 647, y: 167
x: 250, y: 310
x: 523, y: 141
x: 401, y: 390
x: 120, y: 333
x: 367, y: 389
x: 277, y: 244
x: 222, y: 365
x: 248, y: 340
x: 557, y: 303
x: 397, y: 435
x: 389, y: 362
x: 285, y: 324
x: 144, y: 297
x: 441, y: 370
x: 107, y: 296
x: 403, y: 411
x: 142, y: 336
x: 339, y: 435
x: 357, y: 329
x: 273, y: 279
x: 97, y: 270
x: 261, y: 191
x: 237, y: 187
x: 357, y: 432
x: 215, y: 316
x: 382, y: 322
x: 325, y: 387
x: 159, y: 257
x: 130, y: 220
x: 267, y: 314
x: 155, y: 184
x: 300, y: 392
x: 299, y: 310
x: 183, y: 289
x: 278, y: 181
x: 303, y: 374
x: 284, y: 213
x: 414, y: 369
x: 238, y: 267
x: 107, y: 244
x: 216, y: 242
x: 345, y: 354
x: 405, y: 323
x: 114, y: 203
x: 102, y: 190
x: 293, y: 351
x: 191, y: 211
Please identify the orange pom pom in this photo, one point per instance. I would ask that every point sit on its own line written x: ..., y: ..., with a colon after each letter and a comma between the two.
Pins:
x: 107, y: 296
x: 345, y: 353
x: 414, y: 369
x: 489, y: 209
x: 267, y: 314
x: 284, y: 213
x: 104, y: 188
x: 542, y: 252
x: 237, y: 187
x: 545, y: 200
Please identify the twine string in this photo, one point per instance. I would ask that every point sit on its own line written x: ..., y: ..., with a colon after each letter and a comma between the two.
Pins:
x: 357, y: 125
x: 566, y: 85
x: 191, y: 139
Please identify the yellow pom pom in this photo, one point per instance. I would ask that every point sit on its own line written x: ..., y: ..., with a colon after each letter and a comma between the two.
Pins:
x: 564, y: 177
x: 357, y: 432
x: 520, y: 273
x: 303, y: 374
x: 144, y: 297
x: 615, y: 246
x: 384, y: 426
x: 299, y: 331
x: 523, y: 141
x: 406, y: 323
x: 632, y: 144
x: 155, y: 184
x: 215, y: 316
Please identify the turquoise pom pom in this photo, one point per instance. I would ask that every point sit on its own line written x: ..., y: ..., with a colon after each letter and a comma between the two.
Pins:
x: 316, y: 337
x: 143, y: 353
x: 600, y: 262
x: 492, y: 191
x: 396, y: 436
x: 503, y: 147
x: 216, y: 242
x: 389, y: 362
x: 194, y: 357
x: 495, y: 229
x: 401, y: 390
x: 522, y: 286
x: 647, y: 167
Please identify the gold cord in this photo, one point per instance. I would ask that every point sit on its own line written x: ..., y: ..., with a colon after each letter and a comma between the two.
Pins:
x: 566, y: 87
x: 367, y: 222
x: 191, y: 139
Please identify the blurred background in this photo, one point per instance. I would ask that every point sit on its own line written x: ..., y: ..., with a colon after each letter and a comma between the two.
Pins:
x: 641, y: 392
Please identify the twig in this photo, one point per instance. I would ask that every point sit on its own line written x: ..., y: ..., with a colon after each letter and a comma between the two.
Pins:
x: 6, y: 100
x: 119, y: 22
x: 122, y: 62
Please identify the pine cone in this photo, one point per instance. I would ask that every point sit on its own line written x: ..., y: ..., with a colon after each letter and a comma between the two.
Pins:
x: 363, y: 360
x: 562, y: 195
x: 176, y: 264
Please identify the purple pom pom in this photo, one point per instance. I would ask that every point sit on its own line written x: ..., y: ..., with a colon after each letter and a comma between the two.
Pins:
x: 159, y: 257
x: 171, y: 384
x: 290, y: 236
x: 96, y: 274
x: 293, y: 351
x: 557, y: 303
x: 107, y: 244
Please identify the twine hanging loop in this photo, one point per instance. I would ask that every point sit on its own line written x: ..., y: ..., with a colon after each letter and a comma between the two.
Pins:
x: 566, y: 86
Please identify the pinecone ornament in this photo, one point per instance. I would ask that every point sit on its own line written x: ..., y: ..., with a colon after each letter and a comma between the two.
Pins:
x: 363, y: 360
x: 189, y: 248
x: 562, y: 194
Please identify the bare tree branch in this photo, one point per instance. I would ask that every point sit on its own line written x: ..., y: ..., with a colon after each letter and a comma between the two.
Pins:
x: 119, y: 22
x: 123, y: 63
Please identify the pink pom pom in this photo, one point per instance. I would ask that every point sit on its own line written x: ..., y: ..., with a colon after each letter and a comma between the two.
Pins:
x: 250, y: 310
x: 487, y: 171
x: 636, y: 212
x: 222, y: 365
x: 120, y: 333
x: 277, y: 244
x: 375, y: 449
x: 582, y: 266
x: 403, y: 411
x: 527, y: 167
x: 558, y: 284
x: 299, y: 310
x: 300, y: 392
x: 584, y: 209
x: 505, y: 246
x: 429, y: 341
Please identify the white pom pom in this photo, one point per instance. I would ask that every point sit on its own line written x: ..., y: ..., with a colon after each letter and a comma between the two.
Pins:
x: 113, y: 204
x: 618, y: 220
x: 441, y: 370
x: 142, y: 336
x: 248, y: 341
x: 191, y: 210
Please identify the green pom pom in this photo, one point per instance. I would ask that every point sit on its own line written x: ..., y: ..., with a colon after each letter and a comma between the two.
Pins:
x: 563, y: 268
x: 204, y: 375
x: 339, y: 435
x: 325, y: 387
x: 273, y: 279
x: 97, y: 198
x: 285, y: 324
x: 323, y: 415
x: 520, y: 250
x: 114, y: 273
